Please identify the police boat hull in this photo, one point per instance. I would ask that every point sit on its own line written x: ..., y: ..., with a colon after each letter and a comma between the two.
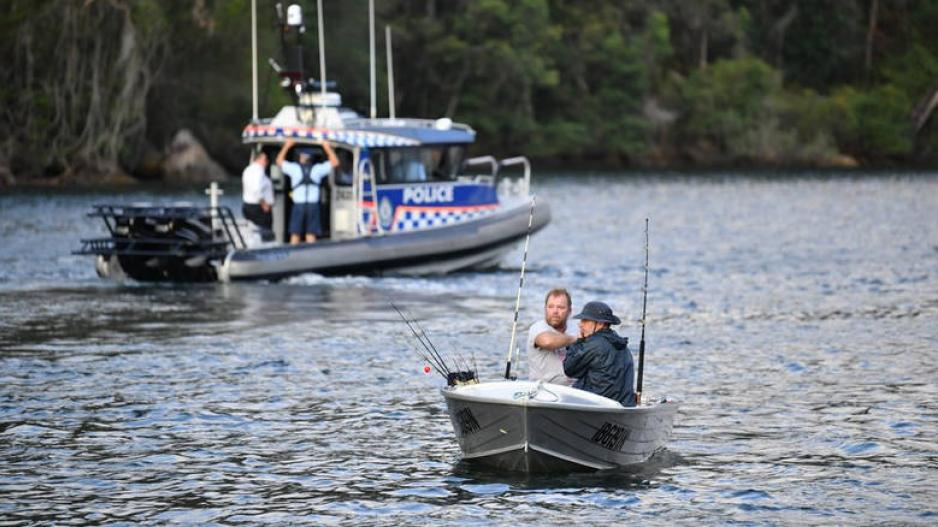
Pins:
x: 473, y: 244
x: 524, y: 426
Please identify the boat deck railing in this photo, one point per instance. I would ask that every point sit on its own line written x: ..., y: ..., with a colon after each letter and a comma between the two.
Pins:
x: 517, y: 187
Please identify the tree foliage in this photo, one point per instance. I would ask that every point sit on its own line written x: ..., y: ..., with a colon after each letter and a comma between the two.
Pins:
x: 100, y: 86
x: 76, y: 98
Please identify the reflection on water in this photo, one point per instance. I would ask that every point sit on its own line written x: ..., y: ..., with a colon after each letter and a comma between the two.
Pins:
x: 793, y: 318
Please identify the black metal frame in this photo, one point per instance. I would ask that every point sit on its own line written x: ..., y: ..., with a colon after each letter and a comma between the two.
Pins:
x: 185, y: 244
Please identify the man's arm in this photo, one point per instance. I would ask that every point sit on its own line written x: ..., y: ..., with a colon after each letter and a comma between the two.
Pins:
x: 282, y: 154
x: 330, y: 153
x: 578, y: 358
x: 551, y: 340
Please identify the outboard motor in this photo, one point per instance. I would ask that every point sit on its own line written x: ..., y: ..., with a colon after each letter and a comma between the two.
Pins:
x: 163, y: 243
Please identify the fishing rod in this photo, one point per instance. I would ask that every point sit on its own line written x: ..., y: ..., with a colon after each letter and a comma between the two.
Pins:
x: 524, y: 261
x: 641, y: 345
x: 458, y: 356
x: 436, y: 358
x: 438, y: 362
x: 431, y: 352
x: 429, y: 362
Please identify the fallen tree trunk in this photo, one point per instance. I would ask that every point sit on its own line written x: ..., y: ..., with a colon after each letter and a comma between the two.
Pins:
x: 924, y: 108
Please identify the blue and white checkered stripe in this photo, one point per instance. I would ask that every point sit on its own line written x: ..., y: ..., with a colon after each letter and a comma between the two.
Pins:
x: 356, y: 138
x: 416, y: 219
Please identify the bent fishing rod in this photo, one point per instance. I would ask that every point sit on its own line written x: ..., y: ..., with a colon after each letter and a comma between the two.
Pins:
x: 641, y: 344
x: 524, y: 261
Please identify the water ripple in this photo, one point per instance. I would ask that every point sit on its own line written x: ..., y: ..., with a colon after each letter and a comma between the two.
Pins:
x: 793, y: 319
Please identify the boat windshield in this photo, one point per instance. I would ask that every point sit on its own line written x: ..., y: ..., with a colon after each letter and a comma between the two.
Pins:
x: 416, y: 165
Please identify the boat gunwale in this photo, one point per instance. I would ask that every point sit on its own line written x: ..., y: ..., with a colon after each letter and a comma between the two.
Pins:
x: 453, y: 393
x: 501, y: 213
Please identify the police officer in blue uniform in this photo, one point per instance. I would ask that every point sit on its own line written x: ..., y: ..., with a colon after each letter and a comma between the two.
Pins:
x: 305, y: 177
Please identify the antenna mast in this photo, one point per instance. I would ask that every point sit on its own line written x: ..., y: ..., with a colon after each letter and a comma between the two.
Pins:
x: 254, y: 60
x: 371, y: 41
x: 322, y: 54
x: 387, y: 32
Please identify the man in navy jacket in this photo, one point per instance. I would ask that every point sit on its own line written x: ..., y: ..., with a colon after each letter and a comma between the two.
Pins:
x: 600, y: 359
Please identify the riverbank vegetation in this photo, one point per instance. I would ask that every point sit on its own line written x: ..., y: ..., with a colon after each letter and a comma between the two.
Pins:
x: 96, y: 90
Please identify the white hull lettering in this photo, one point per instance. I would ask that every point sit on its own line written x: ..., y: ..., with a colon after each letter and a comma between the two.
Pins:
x: 428, y: 194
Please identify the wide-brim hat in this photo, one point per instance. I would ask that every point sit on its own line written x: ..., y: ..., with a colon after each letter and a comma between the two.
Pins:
x: 598, y: 312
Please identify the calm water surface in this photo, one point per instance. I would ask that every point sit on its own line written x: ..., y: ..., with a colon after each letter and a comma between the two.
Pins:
x: 795, y: 318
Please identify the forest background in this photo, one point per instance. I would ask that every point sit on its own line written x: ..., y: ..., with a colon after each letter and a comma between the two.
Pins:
x: 95, y: 91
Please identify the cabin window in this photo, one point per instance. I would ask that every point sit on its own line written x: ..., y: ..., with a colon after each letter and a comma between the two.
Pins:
x: 377, y: 158
x: 417, y: 165
x: 343, y: 173
x: 448, y: 168
x: 406, y: 165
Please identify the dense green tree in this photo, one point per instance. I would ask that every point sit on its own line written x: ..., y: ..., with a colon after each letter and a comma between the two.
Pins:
x: 478, y: 61
x: 722, y: 105
x: 874, y: 123
x: 75, y: 91
x: 97, y: 87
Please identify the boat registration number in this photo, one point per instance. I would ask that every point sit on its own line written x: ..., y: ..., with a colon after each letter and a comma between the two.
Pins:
x: 611, y: 436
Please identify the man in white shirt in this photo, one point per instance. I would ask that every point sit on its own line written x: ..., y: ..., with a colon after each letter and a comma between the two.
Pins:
x: 257, y: 194
x: 547, y: 339
x: 304, y: 183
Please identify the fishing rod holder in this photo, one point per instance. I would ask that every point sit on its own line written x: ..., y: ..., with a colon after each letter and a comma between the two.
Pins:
x: 461, y: 378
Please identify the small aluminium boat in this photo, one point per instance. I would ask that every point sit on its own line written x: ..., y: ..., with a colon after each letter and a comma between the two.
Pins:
x: 528, y: 426
x: 532, y: 426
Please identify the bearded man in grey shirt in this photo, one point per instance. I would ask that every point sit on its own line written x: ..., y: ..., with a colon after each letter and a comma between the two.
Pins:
x: 547, y: 339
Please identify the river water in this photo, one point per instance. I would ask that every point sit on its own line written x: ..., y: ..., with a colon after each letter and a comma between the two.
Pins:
x: 795, y: 318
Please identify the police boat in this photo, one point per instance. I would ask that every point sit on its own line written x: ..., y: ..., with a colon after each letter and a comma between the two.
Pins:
x: 528, y: 426
x: 405, y: 199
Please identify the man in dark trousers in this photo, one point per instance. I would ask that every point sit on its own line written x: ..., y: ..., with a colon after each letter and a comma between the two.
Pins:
x: 600, y: 359
x: 304, y: 184
x: 257, y: 194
